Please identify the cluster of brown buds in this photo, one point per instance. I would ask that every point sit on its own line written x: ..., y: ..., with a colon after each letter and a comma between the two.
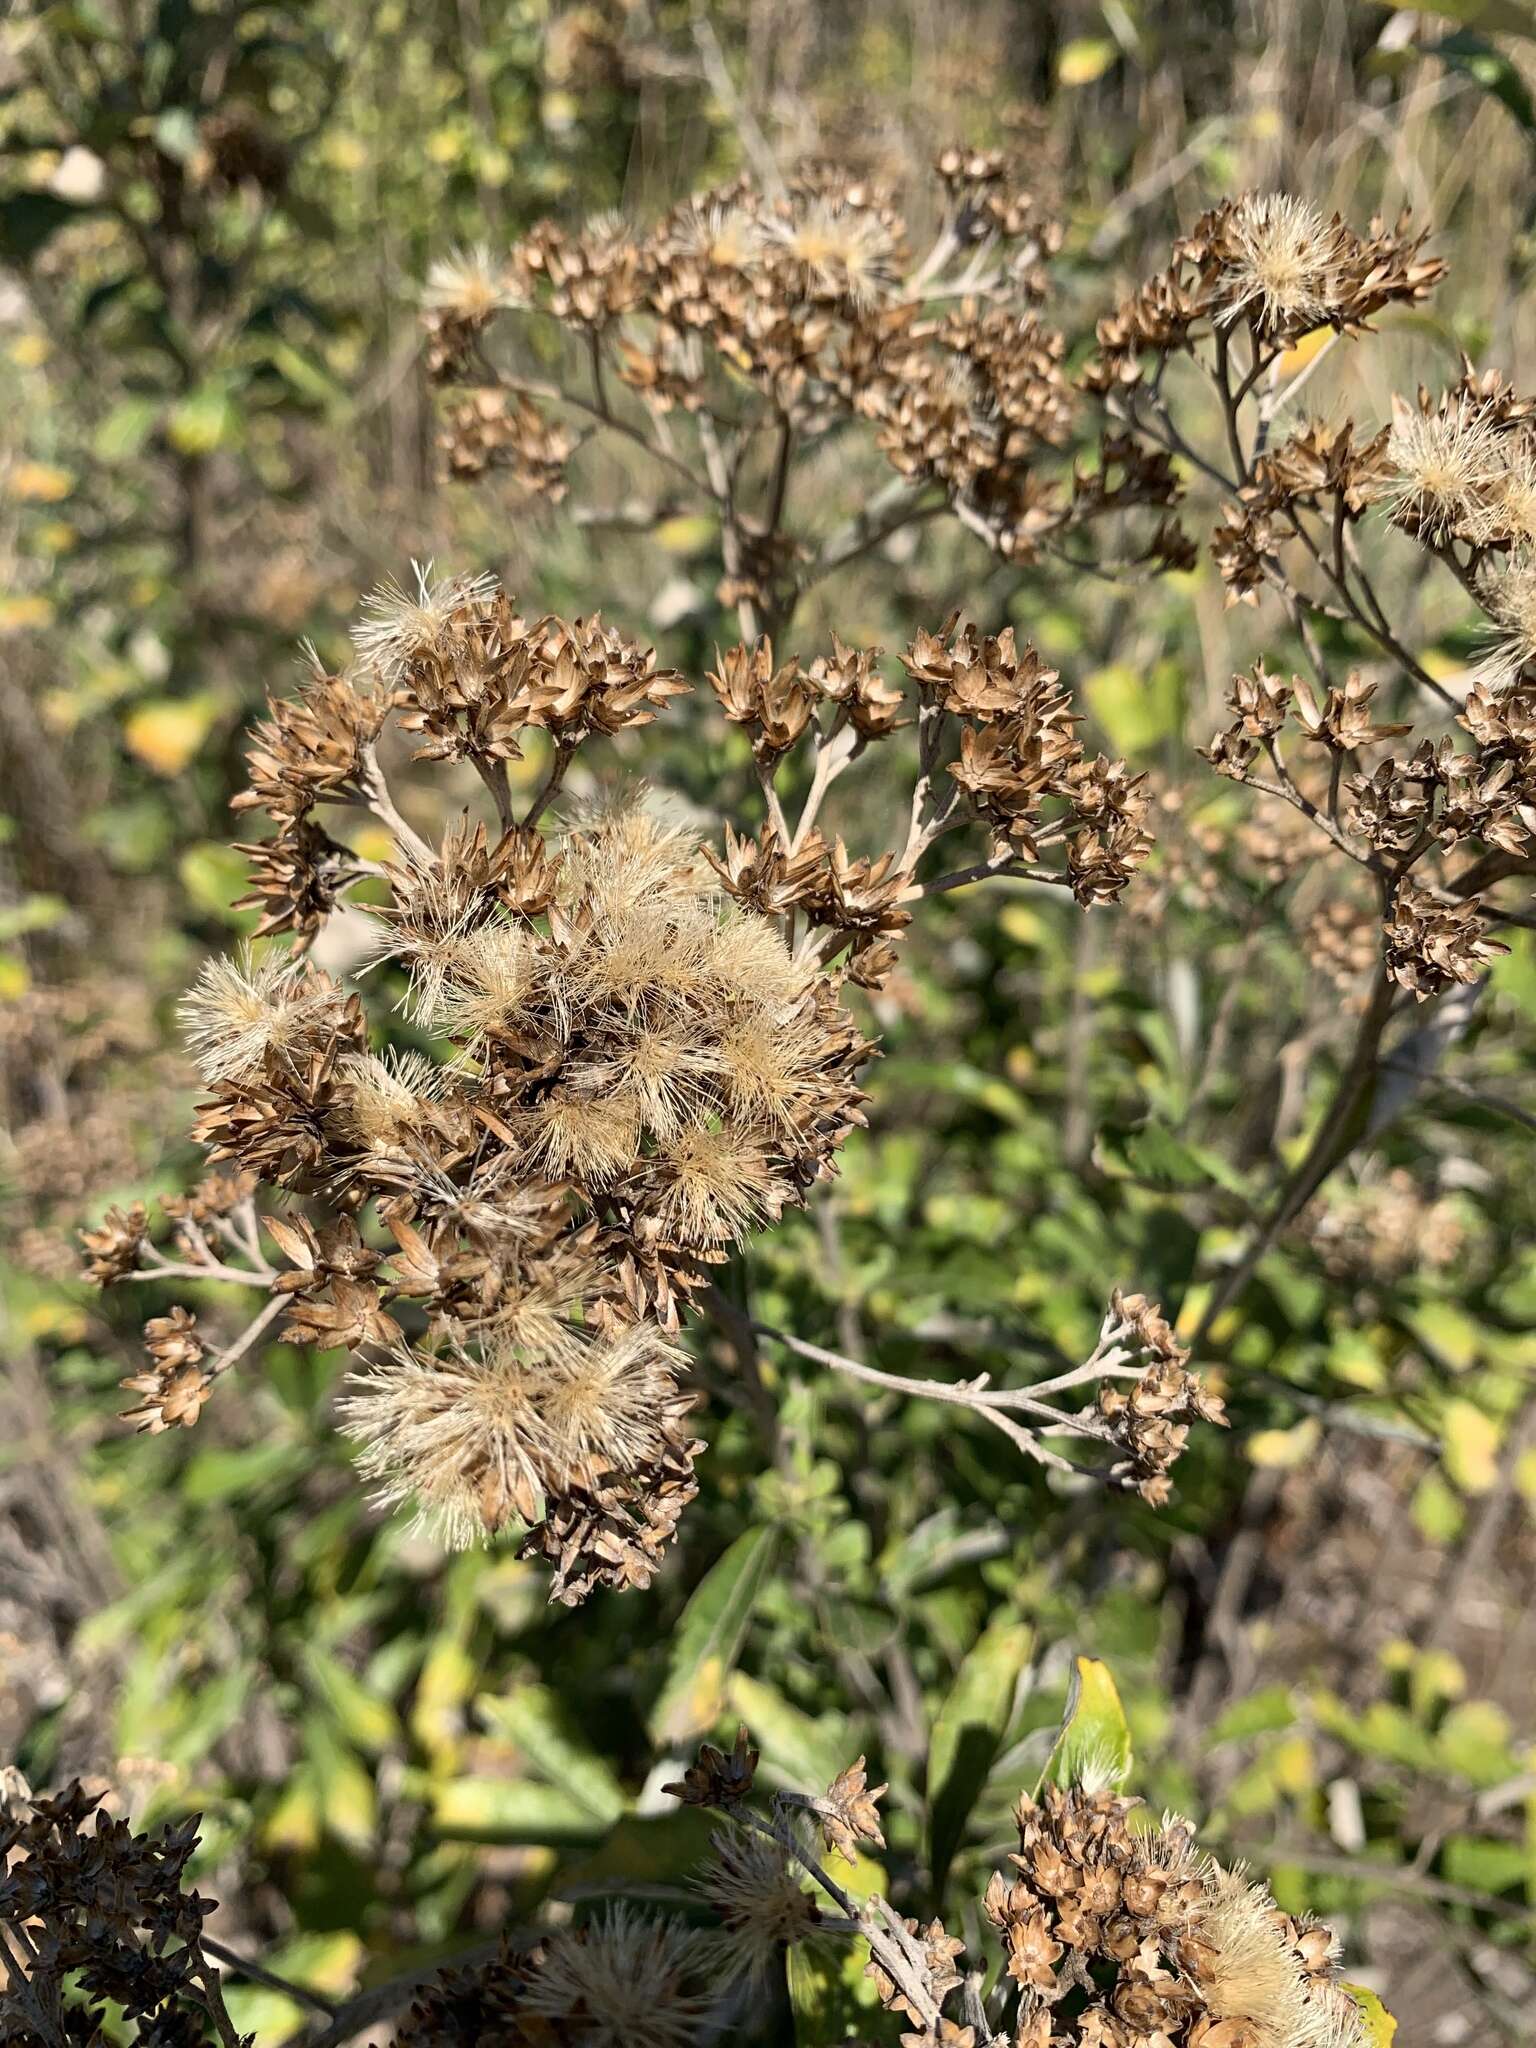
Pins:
x: 1114, y: 1931
x: 1432, y: 830
x: 1454, y: 473
x: 93, y: 1917
x: 788, y: 313
x: 1150, y: 1417
x: 1267, y: 265
x: 622, y: 1053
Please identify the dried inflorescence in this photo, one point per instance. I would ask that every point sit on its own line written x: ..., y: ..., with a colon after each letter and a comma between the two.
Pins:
x: 1116, y: 1933
x: 808, y: 302
x: 1269, y: 263
x: 1453, y: 471
x: 95, y: 1916
x: 1150, y: 1419
x: 628, y: 1052
x: 1113, y: 1931
x: 1397, y: 818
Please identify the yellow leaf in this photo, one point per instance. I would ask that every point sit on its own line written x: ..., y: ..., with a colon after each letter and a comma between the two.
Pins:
x: 31, y: 351
x: 166, y: 733
x: 1021, y: 924
x: 40, y: 483
x: 1084, y: 59
x: 25, y: 614
x: 1282, y: 1450
x: 1470, y: 1447
x: 1306, y: 350
x: 1379, y: 2023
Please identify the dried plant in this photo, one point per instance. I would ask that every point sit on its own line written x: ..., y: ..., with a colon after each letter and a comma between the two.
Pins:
x: 99, y: 1917
x: 1109, y: 1928
x: 755, y: 323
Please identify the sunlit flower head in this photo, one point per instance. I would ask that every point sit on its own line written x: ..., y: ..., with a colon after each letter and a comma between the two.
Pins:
x: 627, y: 1980
x: 1283, y: 266
x: 1444, y: 466
x: 238, y: 1010
x: 468, y: 285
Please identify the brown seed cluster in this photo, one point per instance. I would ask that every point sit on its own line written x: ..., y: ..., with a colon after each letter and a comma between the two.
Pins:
x: 809, y: 297
x: 102, y: 1917
x: 1117, y: 1935
x: 1022, y: 768
x: 632, y: 1072
x: 1271, y: 263
x: 1400, y: 813
x: 1150, y: 1419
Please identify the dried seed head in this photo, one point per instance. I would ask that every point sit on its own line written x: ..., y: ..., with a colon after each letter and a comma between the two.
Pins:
x: 1282, y: 262
x: 629, y: 1981
x: 468, y: 285
x: 1511, y: 603
x: 759, y: 1890
x: 1444, y: 464
x: 545, y: 1401
x: 239, y: 1010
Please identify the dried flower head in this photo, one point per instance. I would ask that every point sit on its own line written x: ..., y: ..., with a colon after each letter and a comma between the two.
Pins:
x: 1444, y: 464
x: 627, y: 1980
x: 758, y: 1886
x: 1282, y: 263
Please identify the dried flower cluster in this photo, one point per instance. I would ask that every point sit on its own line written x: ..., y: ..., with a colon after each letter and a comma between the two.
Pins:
x: 97, y: 1917
x: 1270, y: 265
x: 1398, y: 818
x: 1455, y: 473
x: 622, y: 1054
x: 807, y: 303
x: 1114, y: 1932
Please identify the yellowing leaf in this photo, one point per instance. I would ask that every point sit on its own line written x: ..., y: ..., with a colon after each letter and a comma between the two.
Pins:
x: 166, y: 733
x: 30, y: 351
x: 40, y: 483
x: 1379, y: 2023
x: 1084, y: 59
x: 1470, y: 1447
x: 1021, y: 924
x: 1094, y: 1747
x: 25, y: 614
x: 1283, y: 1450
x: 1306, y: 350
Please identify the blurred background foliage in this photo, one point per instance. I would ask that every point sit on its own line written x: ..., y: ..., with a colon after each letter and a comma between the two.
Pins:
x: 214, y: 221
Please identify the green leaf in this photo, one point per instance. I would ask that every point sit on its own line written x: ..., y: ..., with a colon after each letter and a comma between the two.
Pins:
x: 1498, y: 17
x: 512, y: 1810
x: 1094, y: 1746
x: 1490, y: 69
x: 1262, y: 1713
x: 204, y: 420
x: 1485, y: 1864
x: 367, y: 1721
x: 213, y: 876
x: 535, y: 1721
x: 969, y: 1732
x: 1379, y: 2023
x: 1137, y: 708
x: 346, y: 1790
x: 219, y: 1475
x: 709, y: 1639
x: 126, y: 428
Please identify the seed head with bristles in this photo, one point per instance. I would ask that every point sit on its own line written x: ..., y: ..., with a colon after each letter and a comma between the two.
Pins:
x: 629, y: 1981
